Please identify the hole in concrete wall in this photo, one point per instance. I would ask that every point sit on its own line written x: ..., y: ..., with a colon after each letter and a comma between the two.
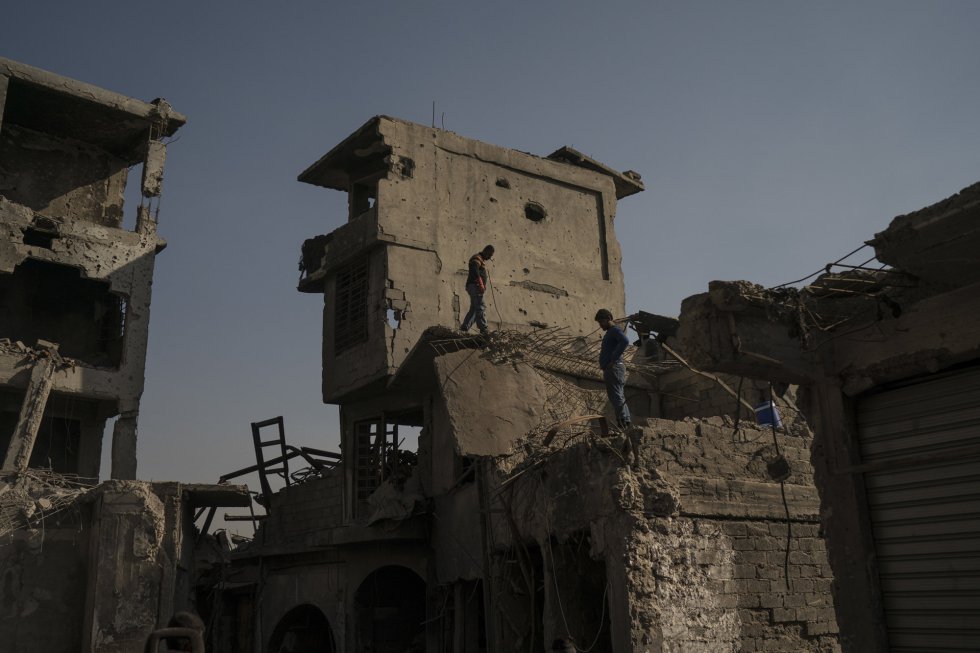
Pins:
x: 37, y: 238
x: 58, y: 438
x: 502, y: 183
x: 394, y: 318
x: 350, y: 306
x: 133, y: 197
x: 53, y: 302
x: 304, y: 629
x: 385, y: 449
x: 363, y: 195
x: 362, y: 198
x: 534, y: 212
x: 389, y: 611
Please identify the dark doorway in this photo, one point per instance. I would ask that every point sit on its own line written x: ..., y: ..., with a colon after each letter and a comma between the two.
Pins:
x: 304, y: 629
x: 389, y: 612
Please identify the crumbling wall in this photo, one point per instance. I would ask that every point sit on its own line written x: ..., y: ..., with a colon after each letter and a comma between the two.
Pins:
x: 65, y: 151
x: 301, y: 510
x: 699, y: 550
x: 106, y: 567
x: 61, y: 178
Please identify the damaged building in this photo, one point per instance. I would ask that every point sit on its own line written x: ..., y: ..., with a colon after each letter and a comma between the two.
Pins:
x: 887, y: 357
x: 801, y: 474
x: 107, y: 562
x: 481, y: 501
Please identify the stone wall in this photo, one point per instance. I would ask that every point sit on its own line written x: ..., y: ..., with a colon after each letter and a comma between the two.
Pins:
x: 700, y: 553
x: 303, y: 509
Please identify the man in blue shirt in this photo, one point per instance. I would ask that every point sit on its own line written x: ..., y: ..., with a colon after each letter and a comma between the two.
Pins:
x: 614, y: 343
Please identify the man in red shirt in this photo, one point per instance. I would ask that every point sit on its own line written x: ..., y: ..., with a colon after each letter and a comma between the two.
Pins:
x: 476, y: 285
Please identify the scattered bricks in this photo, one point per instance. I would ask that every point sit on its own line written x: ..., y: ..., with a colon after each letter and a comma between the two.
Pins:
x: 780, y: 615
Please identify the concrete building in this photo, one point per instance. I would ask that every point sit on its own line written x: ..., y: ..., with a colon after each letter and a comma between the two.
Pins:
x: 519, y: 517
x: 82, y: 566
x: 73, y: 270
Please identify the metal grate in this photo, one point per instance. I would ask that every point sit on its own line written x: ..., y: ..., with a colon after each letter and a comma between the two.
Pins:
x: 367, y: 472
x: 351, y: 303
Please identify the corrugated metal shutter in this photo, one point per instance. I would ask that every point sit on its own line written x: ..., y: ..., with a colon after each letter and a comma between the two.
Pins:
x: 921, y: 446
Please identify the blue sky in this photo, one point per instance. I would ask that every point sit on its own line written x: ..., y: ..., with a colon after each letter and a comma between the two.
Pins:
x: 773, y: 137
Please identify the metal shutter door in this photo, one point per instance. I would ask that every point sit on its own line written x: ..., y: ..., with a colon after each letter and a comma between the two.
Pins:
x: 922, y: 443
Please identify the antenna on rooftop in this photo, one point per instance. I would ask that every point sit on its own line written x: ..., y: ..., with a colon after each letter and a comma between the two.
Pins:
x: 433, y: 114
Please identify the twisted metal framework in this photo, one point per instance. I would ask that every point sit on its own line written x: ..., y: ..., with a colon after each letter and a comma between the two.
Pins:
x: 551, y: 350
x: 35, y: 496
x: 556, y: 355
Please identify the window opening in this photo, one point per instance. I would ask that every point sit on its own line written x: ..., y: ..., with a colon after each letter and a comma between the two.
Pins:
x: 385, y: 449
x: 394, y: 318
x: 389, y: 611
x: 53, y: 302
x: 350, y: 309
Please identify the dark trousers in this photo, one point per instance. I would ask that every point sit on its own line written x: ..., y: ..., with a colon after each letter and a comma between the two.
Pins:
x: 615, y: 377
x: 478, y: 310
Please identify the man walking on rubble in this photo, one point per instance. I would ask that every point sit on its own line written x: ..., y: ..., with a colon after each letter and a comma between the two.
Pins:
x: 614, y: 343
x: 476, y: 285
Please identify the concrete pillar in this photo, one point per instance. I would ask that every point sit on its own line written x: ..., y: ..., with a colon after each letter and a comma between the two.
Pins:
x: 127, y: 565
x: 124, y: 447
